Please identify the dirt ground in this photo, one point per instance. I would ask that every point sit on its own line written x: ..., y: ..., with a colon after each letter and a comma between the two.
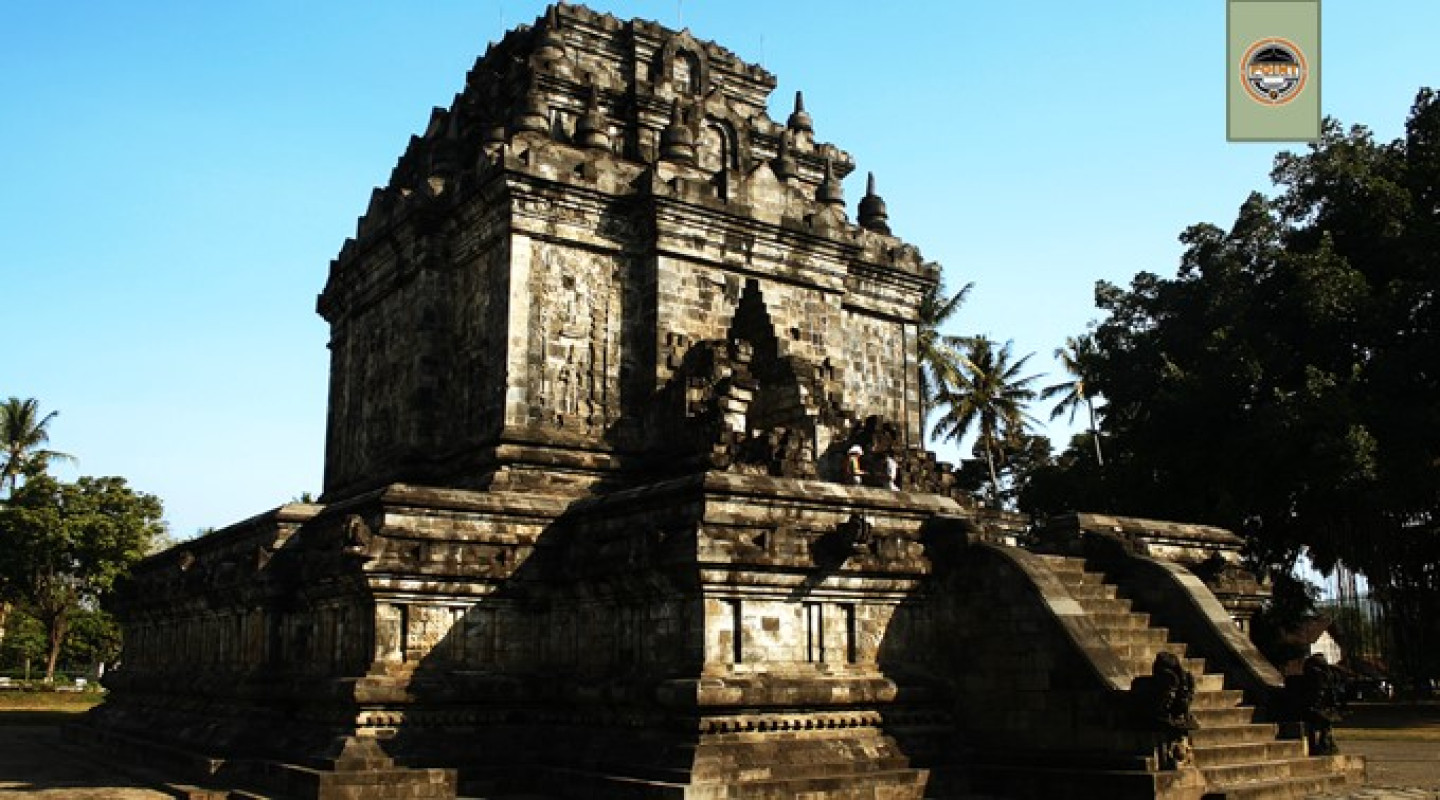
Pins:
x: 1388, y: 763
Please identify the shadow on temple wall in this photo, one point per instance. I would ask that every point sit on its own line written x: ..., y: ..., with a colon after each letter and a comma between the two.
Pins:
x: 740, y: 402
x: 581, y: 668
x: 580, y: 673
x: 988, y: 681
x: 538, y: 644
x: 571, y: 670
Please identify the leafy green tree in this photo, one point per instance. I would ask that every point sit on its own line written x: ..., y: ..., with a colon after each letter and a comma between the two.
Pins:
x: 1071, y: 481
x: 1285, y: 383
x: 940, y: 355
x: 1076, y: 357
x: 1026, y: 456
x: 23, y: 643
x: 94, y: 639
x: 990, y: 395
x: 65, y: 545
x: 24, y: 432
x: 1023, y: 457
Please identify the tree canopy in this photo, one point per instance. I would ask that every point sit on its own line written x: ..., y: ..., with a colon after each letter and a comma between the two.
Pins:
x: 65, y: 545
x: 1285, y: 383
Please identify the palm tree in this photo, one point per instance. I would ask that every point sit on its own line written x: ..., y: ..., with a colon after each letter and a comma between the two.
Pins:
x: 1076, y: 357
x: 940, y: 355
x: 23, y: 435
x: 990, y: 394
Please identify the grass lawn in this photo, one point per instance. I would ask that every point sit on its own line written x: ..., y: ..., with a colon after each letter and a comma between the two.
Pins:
x: 44, y: 708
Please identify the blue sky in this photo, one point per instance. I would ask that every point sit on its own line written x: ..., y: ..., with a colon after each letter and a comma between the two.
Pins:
x: 178, y: 175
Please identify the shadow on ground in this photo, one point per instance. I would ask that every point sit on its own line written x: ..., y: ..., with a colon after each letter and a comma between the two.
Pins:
x: 37, y: 716
x: 1392, y: 716
x: 36, y: 763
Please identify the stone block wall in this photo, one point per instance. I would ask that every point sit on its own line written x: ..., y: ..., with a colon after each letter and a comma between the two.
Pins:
x: 209, y: 607
x: 416, y: 336
x: 594, y: 204
x: 872, y: 345
x: 711, y: 634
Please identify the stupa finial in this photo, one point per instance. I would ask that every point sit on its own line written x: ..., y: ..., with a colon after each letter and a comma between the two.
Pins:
x: 799, y: 118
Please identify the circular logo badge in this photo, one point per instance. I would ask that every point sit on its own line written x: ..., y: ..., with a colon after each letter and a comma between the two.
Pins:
x: 1273, y: 71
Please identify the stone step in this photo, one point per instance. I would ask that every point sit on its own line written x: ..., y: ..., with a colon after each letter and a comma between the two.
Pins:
x: 1223, y: 717
x: 1129, y: 633
x: 1220, y: 735
x: 1209, y: 682
x: 1218, y: 698
x: 1084, y: 579
x: 1085, y: 592
x: 1219, y: 755
x: 790, y: 765
x: 1285, y: 789
x: 881, y: 783
x: 1112, y: 605
x: 1159, y: 637
x: 1114, y: 620
x: 1141, y: 658
x: 1060, y: 563
x: 1240, y: 758
x: 1141, y: 655
x: 1255, y: 772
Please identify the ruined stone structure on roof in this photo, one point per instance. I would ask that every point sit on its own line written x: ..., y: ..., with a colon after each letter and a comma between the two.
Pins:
x: 604, y: 222
x: 597, y: 351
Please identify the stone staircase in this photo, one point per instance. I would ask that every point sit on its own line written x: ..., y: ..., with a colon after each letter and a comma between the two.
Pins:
x: 1239, y: 756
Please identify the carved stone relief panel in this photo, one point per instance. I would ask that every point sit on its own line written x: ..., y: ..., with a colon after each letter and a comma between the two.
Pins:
x: 575, y: 338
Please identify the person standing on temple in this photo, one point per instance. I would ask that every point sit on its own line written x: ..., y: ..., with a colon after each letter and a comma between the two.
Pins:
x: 854, y: 469
x: 892, y: 472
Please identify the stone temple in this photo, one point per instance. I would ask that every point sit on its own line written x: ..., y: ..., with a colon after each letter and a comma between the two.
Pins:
x: 597, y: 353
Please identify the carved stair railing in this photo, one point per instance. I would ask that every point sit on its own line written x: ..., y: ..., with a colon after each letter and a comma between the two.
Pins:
x: 1176, y: 598
x: 1072, y: 700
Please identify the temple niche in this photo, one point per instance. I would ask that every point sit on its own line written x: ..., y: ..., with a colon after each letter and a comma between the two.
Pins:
x: 598, y: 350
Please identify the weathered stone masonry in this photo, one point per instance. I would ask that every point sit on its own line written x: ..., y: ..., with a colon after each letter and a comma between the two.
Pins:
x: 596, y: 351
x: 593, y: 206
